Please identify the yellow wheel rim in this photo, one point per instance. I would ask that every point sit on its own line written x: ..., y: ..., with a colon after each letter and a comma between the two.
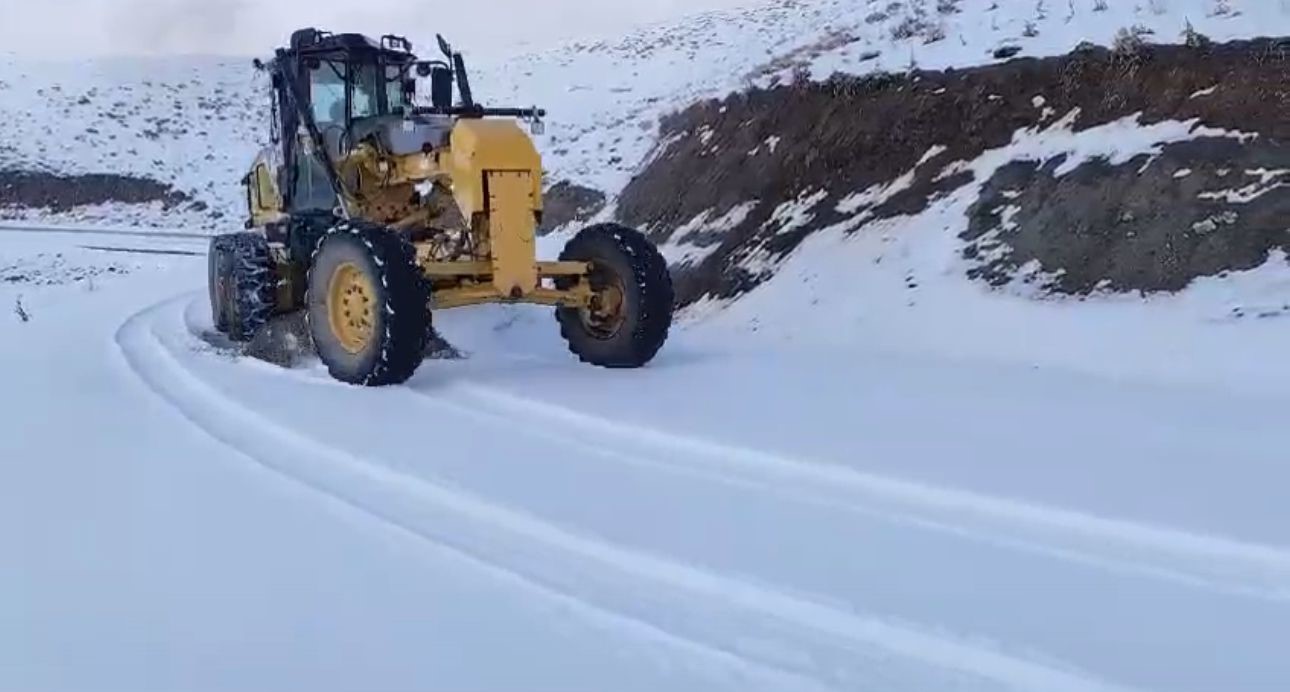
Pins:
x: 605, y: 313
x: 351, y: 307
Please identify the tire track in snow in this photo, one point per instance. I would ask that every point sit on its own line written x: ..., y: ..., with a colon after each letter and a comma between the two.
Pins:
x: 226, y: 422
x: 1201, y: 561
x: 711, y: 612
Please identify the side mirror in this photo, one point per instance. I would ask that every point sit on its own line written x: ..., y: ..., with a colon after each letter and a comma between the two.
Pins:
x: 444, y: 46
x: 441, y: 87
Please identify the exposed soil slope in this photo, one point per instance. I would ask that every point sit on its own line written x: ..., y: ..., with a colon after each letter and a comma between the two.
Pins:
x: 59, y: 193
x: 1196, y: 208
x: 768, y: 167
x: 566, y: 203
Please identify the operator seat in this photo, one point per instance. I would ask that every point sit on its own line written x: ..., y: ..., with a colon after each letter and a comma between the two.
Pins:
x: 333, y: 133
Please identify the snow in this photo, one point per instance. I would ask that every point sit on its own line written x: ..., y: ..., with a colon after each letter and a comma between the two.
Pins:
x: 881, y: 192
x: 867, y: 473
x: 771, y: 510
x: 681, y: 249
x: 793, y: 215
x: 1253, y: 191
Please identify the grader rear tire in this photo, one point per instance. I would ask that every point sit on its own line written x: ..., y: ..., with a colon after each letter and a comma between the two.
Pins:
x: 631, y: 313
x: 218, y: 264
x: 242, y: 284
x: 367, y: 305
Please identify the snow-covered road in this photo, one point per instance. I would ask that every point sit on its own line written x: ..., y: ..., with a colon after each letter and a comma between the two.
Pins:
x: 729, y: 518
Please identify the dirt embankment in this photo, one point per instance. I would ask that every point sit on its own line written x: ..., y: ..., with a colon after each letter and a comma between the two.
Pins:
x: 1203, y: 207
x: 566, y: 203
x: 61, y: 193
x: 1200, y: 208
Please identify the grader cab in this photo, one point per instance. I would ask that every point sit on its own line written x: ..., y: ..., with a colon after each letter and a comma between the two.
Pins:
x: 371, y: 208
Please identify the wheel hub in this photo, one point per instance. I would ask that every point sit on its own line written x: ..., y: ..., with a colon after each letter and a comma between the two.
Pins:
x: 351, y: 307
x: 604, y: 313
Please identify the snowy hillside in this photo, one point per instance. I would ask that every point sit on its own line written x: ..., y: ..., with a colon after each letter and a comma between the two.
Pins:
x: 196, y: 123
x: 900, y: 456
x: 608, y: 97
x: 191, y: 123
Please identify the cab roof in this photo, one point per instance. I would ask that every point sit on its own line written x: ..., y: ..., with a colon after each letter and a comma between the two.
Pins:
x: 314, y: 43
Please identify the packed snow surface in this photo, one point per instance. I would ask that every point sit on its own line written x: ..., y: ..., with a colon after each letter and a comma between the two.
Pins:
x: 745, y: 513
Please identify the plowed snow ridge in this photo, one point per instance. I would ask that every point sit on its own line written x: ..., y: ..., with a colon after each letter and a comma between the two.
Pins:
x: 87, y: 230
x: 1209, y: 561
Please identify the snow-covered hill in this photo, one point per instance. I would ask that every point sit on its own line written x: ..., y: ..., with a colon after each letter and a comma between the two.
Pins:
x: 196, y: 122
x: 188, y: 122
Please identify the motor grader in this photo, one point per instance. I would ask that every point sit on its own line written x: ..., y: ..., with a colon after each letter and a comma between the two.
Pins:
x: 372, y: 207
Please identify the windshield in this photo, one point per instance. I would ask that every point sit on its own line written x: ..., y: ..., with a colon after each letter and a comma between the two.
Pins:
x: 327, y: 85
x: 377, y: 90
x: 394, y: 94
x: 369, y: 82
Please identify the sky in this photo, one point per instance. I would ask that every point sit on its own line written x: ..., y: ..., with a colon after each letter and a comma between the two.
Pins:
x: 48, y: 28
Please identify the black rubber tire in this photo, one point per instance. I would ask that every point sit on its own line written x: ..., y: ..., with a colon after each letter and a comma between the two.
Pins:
x: 243, y: 284
x: 648, y: 297
x: 218, y: 267
x: 402, y: 311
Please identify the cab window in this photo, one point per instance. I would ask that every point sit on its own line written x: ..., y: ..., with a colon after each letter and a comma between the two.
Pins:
x: 327, y: 90
x: 367, y: 88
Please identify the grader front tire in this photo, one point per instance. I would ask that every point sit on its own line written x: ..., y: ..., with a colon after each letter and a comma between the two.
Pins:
x: 631, y: 309
x: 367, y: 305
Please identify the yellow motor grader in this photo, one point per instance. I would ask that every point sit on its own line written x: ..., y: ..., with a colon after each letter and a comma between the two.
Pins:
x: 368, y: 211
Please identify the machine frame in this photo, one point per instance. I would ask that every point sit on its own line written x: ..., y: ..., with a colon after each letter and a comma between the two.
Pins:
x: 490, y: 165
